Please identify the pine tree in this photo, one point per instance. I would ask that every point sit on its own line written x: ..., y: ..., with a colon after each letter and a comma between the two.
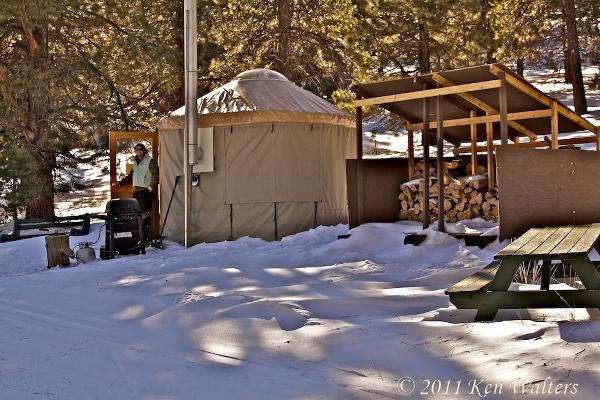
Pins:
x: 70, y: 71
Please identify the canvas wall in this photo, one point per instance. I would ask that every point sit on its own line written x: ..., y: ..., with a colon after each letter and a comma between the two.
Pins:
x: 270, y: 180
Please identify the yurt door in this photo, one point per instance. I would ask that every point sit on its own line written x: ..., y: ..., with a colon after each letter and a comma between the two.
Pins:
x: 121, y: 147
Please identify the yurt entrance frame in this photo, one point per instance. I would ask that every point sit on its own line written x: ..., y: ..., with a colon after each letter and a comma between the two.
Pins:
x: 464, y: 99
x: 126, y: 190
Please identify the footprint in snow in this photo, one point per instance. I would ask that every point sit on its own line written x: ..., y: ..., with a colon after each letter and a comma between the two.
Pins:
x: 289, y: 316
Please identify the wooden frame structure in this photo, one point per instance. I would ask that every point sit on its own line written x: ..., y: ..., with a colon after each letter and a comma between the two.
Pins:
x: 472, y: 105
x: 126, y: 190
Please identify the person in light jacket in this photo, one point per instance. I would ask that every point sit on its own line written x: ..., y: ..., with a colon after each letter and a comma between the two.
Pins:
x: 144, y: 176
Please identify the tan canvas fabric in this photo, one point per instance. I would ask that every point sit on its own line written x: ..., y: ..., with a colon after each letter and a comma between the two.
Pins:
x: 249, y: 165
x: 295, y: 217
x: 257, y: 117
x: 171, y: 162
x: 260, y: 96
x: 210, y: 214
x: 297, y: 161
x: 254, y: 220
x: 296, y: 165
x: 337, y: 145
x: 273, y: 142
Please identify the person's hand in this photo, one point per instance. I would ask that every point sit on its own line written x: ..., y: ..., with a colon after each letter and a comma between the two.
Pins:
x: 150, y: 189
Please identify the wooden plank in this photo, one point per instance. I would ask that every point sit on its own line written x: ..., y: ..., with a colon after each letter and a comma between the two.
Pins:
x: 545, y: 281
x: 359, y: 167
x: 112, y: 163
x: 586, y: 271
x: 517, y: 244
x: 411, y: 155
x: 469, y: 87
x: 535, y: 242
x: 570, y: 240
x: 503, y: 109
x: 553, y: 240
x: 489, y: 135
x: 542, y: 98
x: 598, y: 139
x: 440, y: 163
x: 489, y: 110
x: 526, y: 299
x: 554, y: 125
x: 487, y: 118
x: 473, y: 145
x: 587, y: 241
x: 561, y: 142
x: 425, y: 142
x: 478, y: 281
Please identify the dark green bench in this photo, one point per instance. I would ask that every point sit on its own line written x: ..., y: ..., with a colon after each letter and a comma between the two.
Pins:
x: 79, y: 224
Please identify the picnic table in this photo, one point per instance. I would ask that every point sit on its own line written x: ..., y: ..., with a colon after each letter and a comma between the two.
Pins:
x: 487, y: 290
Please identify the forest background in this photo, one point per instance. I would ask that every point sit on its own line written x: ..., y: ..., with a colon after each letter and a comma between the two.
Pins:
x: 73, y: 70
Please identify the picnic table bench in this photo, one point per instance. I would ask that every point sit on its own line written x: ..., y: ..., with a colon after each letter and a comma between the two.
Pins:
x: 487, y: 290
x: 79, y: 225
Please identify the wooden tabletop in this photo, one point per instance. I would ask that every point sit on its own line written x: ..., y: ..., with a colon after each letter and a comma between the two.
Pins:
x: 553, y: 243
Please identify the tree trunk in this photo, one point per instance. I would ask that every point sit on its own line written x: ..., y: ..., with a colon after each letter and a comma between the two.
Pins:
x: 424, y: 50
x: 39, y: 180
x: 566, y: 61
x: 57, y: 250
x: 574, y: 57
x: 520, y: 66
x: 284, y: 22
x: 489, y: 32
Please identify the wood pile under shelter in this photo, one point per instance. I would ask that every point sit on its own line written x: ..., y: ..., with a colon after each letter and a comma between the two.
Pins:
x: 465, y: 197
x: 475, y: 109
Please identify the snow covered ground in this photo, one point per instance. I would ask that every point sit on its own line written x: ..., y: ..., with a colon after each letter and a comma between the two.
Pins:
x: 310, y: 317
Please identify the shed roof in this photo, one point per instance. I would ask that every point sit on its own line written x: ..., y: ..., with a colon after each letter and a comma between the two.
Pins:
x: 522, y: 97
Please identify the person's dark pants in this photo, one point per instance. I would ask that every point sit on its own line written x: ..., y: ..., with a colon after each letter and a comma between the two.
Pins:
x: 145, y: 197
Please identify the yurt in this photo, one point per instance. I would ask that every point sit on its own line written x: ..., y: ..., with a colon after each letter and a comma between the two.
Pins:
x: 272, y: 164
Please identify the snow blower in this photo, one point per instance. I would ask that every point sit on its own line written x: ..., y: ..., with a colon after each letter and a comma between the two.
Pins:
x: 157, y: 242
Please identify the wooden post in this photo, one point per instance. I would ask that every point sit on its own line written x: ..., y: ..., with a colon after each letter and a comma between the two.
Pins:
x: 598, y: 139
x: 411, y: 155
x: 554, y: 125
x: 112, y: 162
x: 503, y: 109
x: 489, y: 134
x: 473, y: 146
x: 440, y: 163
x: 359, y: 167
x: 425, y: 141
x: 57, y: 250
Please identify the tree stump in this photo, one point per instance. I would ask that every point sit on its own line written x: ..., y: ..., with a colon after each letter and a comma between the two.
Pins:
x: 58, y: 251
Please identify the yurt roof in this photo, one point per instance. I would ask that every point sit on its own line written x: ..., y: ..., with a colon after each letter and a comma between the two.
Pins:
x: 260, y: 96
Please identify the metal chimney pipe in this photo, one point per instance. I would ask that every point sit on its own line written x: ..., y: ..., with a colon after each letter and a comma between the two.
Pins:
x: 190, y: 151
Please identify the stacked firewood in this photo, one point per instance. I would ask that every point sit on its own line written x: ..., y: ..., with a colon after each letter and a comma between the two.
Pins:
x: 465, y: 197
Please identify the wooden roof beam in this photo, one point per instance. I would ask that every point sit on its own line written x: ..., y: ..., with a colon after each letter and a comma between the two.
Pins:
x: 421, y: 94
x: 436, y: 76
x: 541, y: 143
x: 545, y: 100
x: 482, y: 120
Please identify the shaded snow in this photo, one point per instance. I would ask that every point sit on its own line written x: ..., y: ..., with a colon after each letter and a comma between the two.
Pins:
x: 308, y: 317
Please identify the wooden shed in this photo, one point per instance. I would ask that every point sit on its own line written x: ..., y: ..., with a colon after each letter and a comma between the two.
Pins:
x: 474, y: 109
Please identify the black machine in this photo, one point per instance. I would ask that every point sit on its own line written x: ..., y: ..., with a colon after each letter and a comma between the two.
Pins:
x: 124, y: 229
